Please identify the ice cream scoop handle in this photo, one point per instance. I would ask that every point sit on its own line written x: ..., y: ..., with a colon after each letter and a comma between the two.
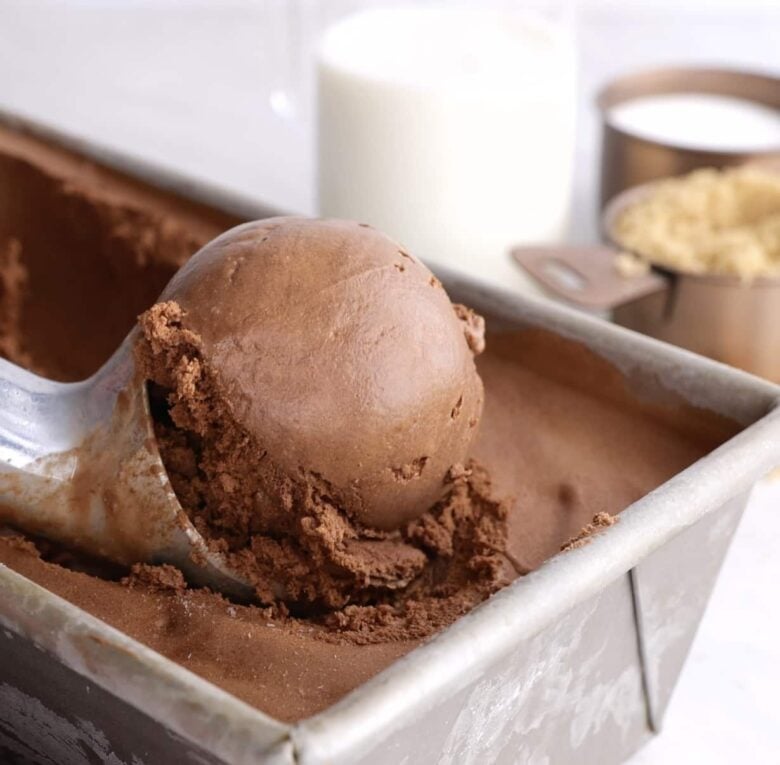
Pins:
x: 40, y: 418
x: 78, y: 465
x: 37, y: 417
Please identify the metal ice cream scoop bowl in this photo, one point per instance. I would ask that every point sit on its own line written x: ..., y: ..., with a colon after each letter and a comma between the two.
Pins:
x: 79, y: 464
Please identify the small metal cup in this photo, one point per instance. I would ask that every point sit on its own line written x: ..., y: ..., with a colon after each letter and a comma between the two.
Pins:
x: 628, y: 160
x: 719, y: 316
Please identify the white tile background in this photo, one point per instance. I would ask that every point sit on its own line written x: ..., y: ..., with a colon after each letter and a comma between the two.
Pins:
x: 186, y: 83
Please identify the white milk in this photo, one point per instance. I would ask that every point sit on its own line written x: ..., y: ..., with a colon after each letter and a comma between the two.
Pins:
x: 450, y: 129
x: 700, y: 121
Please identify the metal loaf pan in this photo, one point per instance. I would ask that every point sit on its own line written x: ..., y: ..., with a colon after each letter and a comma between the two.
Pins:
x: 574, y: 663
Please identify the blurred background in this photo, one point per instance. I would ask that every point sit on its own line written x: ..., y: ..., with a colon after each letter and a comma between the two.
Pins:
x: 190, y: 83
x: 223, y: 91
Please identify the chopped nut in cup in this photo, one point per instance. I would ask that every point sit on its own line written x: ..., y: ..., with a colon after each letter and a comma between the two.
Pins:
x: 710, y: 221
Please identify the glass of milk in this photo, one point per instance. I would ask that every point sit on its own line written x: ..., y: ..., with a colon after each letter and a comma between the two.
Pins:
x: 451, y: 127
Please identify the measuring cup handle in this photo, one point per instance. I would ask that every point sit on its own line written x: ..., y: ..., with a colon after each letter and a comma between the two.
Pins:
x: 586, y: 276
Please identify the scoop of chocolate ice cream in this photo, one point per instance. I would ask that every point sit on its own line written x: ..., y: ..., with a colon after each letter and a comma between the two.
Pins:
x: 320, y: 386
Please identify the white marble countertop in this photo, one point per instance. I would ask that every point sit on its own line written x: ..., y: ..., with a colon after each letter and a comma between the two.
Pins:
x: 187, y: 86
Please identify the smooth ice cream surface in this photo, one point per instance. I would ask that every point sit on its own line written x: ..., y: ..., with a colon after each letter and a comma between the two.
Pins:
x: 75, y: 239
x: 316, y: 402
x: 562, y: 438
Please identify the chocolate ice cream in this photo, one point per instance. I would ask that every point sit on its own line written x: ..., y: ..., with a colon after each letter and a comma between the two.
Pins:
x: 76, y: 238
x: 317, y: 399
x: 563, y: 436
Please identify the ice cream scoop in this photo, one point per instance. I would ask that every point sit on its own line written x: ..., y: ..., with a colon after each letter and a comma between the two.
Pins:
x: 79, y: 464
x: 313, y: 390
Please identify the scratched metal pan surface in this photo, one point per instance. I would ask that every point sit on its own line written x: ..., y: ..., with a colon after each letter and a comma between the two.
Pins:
x: 574, y: 663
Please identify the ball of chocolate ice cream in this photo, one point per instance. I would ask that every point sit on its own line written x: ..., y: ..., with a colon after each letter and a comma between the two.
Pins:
x: 341, y: 354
